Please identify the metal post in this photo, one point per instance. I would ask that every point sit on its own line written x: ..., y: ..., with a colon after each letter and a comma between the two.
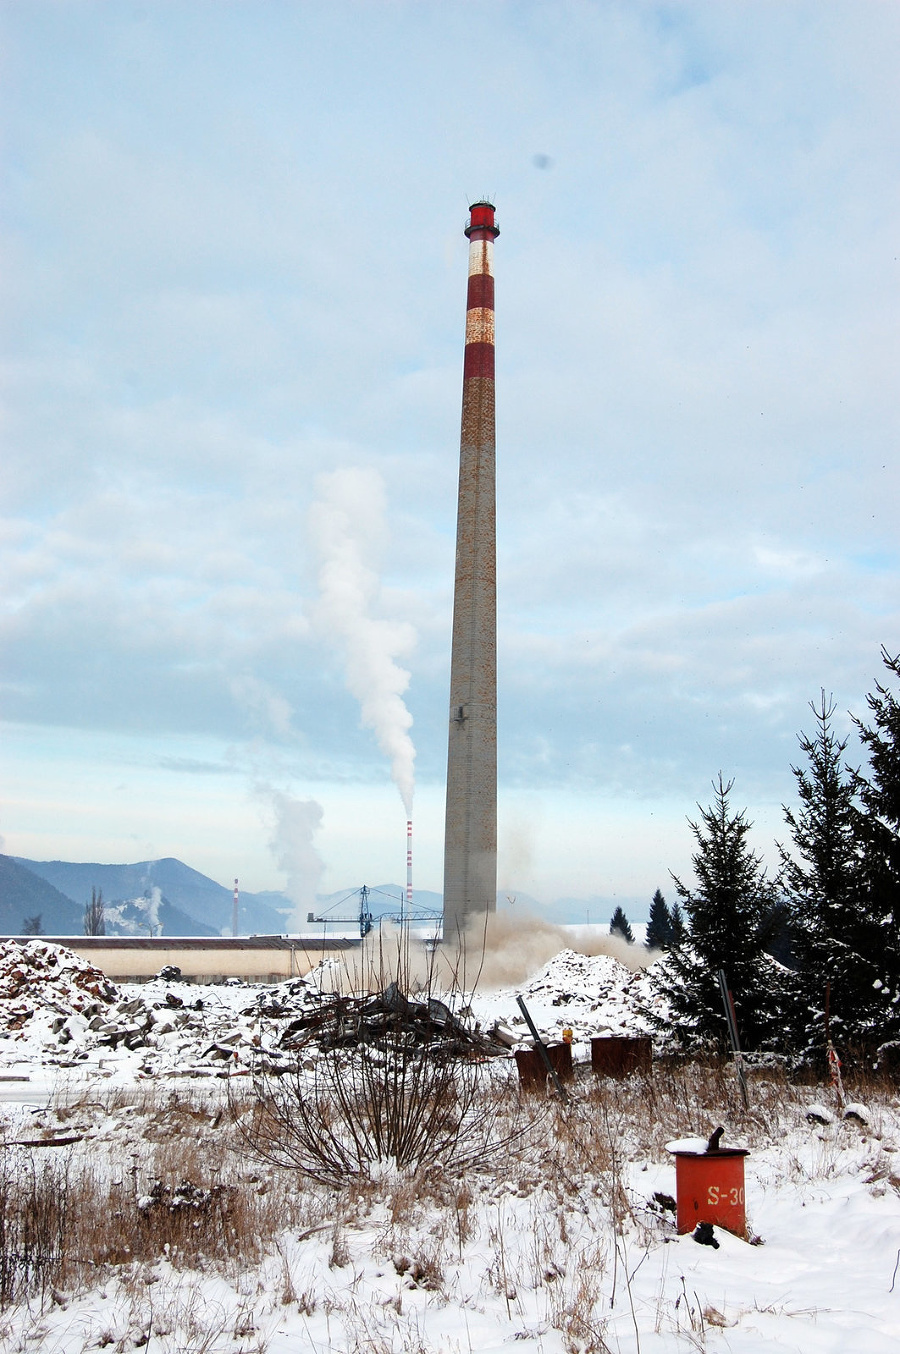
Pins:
x: 731, y: 1021
x: 542, y: 1050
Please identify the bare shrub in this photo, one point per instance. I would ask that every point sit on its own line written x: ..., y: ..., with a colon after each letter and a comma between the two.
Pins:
x: 363, y: 1110
x: 354, y: 1113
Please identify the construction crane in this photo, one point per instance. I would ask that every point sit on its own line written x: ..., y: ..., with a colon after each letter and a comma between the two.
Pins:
x: 365, y: 918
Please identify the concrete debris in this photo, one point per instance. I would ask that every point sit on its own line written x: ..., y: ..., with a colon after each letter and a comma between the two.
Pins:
x: 56, y: 1009
x: 53, y: 999
x: 186, y: 1196
x: 389, y: 1020
x: 37, y: 978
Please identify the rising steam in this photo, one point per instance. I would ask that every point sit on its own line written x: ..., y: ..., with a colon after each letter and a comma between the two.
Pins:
x: 296, y: 822
x: 152, y: 910
x: 347, y: 522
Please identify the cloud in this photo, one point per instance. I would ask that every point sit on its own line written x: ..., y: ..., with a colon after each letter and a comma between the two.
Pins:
x: 272, y: 710
x: 193, y: 766
x: 230, y: 277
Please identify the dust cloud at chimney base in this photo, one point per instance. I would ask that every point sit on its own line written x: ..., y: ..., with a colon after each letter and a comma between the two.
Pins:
x: 504, y: 952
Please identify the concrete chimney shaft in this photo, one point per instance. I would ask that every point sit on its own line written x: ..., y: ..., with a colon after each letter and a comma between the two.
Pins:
x: 470, y: 836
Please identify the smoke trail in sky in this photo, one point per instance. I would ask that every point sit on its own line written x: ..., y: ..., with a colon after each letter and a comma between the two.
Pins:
x: 296, y: 823
x: 347, y: 522
x: 268, y: 710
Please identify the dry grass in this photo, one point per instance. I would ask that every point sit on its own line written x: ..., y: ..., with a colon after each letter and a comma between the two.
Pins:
x: 183, y: 1192
x: 552, y: 1220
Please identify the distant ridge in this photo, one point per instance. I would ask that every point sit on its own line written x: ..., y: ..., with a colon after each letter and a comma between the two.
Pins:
x: 191, y: 903
x: 23, y: 894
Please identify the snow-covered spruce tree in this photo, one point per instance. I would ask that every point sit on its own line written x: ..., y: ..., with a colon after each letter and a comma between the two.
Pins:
x: 879, y: 826
x: 729, y: 910
x: 659, y: 924
x: 835, y: 939
x: 619, y: 925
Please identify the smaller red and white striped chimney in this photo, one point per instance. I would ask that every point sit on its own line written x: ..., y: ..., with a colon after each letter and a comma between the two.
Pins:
x: 234, y: 911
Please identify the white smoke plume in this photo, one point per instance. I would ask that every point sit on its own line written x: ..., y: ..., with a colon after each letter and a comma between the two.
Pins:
x: 135, y: 916
x: 153, y: 903
x: 292, y: 845
x: 348, y: 528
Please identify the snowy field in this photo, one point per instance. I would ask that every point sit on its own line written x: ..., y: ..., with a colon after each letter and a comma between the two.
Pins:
x: 123, y: 1114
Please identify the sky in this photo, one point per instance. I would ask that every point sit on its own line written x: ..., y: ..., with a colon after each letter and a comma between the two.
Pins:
x: 234, y: 298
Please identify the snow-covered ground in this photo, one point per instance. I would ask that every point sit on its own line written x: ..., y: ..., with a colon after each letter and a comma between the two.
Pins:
x: 562, y: 1242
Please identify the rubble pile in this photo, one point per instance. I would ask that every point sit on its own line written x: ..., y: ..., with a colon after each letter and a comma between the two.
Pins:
x: 58, y: 1010
x: 175, y: 1031
x: 55, y: 1000
x: 184, y: 1197
x: 58, y: 1007
x: 279, y: 1001
x: 389, y: 1021
x: 38, y: 978
x: 595, y: 994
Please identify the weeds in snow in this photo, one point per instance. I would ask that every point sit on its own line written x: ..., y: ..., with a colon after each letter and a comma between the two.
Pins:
x: 197, y: 1250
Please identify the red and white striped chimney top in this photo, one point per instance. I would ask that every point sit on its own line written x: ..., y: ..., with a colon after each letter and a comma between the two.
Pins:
x: 481, y: 218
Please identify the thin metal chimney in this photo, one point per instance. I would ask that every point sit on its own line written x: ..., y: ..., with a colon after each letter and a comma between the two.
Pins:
x: 470, y: 835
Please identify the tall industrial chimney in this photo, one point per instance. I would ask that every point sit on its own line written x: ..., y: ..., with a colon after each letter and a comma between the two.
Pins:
x: 470, y: 834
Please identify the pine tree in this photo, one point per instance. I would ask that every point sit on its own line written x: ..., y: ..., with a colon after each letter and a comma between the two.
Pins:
x: 834, y: 939
x: 33, y: 926
x: 778, y: 939
x: 619, y: 926
x: 879, y: 830
x: 679, y: 926
x: 659, y: 924
x: 728, y: 908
